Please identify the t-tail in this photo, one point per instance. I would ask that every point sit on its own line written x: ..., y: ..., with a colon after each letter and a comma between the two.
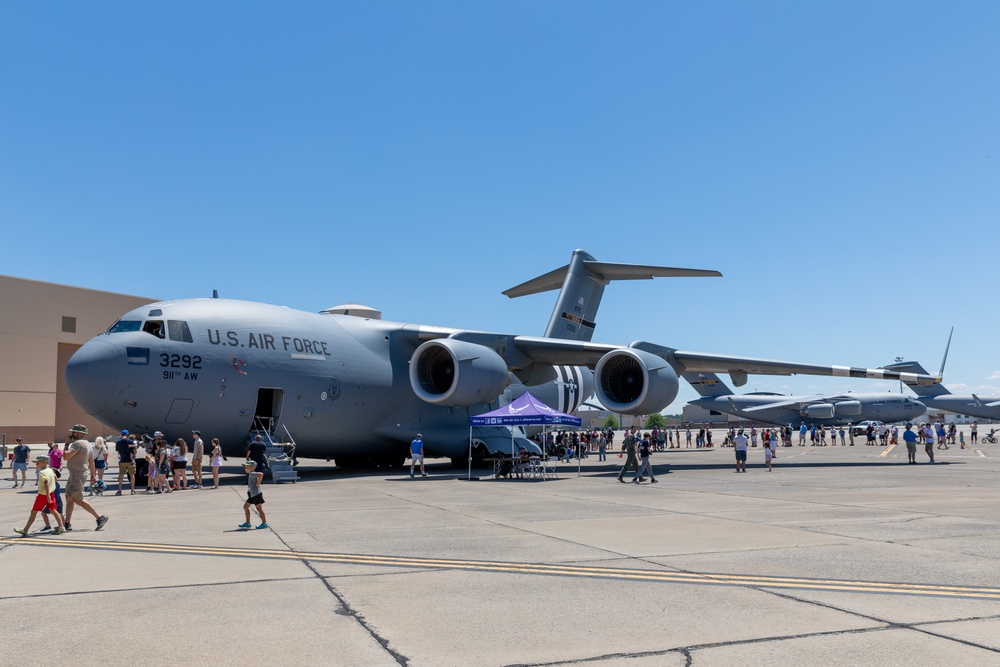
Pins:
x: 708, y: 385
x: 929, y: 390
x: 582, y: 284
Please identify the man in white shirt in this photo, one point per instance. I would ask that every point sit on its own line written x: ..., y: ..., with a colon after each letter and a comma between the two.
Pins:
x: 740, y: 446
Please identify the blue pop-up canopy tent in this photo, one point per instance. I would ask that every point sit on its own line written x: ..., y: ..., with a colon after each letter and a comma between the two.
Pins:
x: 522, y: 411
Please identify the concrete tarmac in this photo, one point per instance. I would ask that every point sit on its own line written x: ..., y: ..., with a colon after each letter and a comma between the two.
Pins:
x: 840, y: 556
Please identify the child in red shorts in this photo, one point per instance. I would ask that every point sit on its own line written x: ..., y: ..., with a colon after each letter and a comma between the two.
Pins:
x: 46, y: 497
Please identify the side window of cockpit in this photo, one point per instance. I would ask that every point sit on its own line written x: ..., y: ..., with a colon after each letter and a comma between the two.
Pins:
x: 154, y: 327
x: 179, y: 331
x: 124, y: 326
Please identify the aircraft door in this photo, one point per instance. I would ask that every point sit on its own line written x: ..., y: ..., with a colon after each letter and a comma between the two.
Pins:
x: 268, y: 410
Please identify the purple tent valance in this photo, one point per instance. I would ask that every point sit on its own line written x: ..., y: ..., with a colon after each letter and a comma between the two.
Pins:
x: 524, y: 410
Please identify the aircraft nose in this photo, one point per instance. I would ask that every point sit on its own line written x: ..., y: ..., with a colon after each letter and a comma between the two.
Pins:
x: 92, y: 375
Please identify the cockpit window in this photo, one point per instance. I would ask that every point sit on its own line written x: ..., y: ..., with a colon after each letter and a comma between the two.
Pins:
x: 124, y: 325
x: 179, y: 331
x: 154, y: 327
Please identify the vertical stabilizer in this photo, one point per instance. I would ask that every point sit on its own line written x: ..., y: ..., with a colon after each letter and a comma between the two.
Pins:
x: 581, y: 284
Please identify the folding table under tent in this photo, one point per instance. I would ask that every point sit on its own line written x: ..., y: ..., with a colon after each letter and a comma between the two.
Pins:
x: 526, y: 410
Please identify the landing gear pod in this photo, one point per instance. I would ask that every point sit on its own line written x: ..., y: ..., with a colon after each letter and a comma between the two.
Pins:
x: 457, y: 373
x: 634, y: 382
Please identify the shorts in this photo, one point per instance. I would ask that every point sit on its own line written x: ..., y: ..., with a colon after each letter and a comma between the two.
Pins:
x: 74, y: 488
x: 255, y: 500
x: 19, y: 466
x: 196, y: 463
x: 178, y: 465
x: 100, y: 464
x: 42, y: 502
x: 911, y: 447
x: 741, y: 455
x: 126, y: 469
x: 418, y: 458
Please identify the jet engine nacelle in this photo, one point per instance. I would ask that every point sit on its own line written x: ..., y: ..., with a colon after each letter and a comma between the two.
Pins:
x: 848, y: 408
x: 819, y: 411
x: 453, y: 372
x: 634, y: 382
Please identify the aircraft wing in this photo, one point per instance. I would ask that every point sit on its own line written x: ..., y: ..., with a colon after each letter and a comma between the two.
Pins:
x: 798, y: 402
x: 580, y: 353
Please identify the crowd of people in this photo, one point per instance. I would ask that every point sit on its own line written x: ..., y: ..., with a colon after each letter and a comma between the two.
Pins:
x: 164, y: 465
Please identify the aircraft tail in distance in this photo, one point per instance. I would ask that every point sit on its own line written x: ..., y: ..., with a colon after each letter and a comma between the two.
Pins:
x: 937, y: 389
x: 929, y: 390
x: 581, y: 284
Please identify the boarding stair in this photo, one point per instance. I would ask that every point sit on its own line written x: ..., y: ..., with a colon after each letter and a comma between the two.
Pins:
x: 280, y: 456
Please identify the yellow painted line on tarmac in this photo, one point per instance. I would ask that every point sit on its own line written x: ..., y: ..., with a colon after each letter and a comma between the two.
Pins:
x: 661, y: 576
x: 886, y: 452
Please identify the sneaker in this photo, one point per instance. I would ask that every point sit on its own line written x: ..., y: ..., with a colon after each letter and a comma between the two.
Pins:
x: 411, y: 475
x: 635, y: 481
x: 68, y: 526
x: 21, y: 531
x: 263, y: 525
x: 654, y: 481
x: 132, y: 493
x: 59, y: 531
x: 101, y: 520
x: 621, y: 480
x: 423, y: 474
x: 46, y: 529
x: 642, y: 479
x: 118, y: 493
x: 244, y: 525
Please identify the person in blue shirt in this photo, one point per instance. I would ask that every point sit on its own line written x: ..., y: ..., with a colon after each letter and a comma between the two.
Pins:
x: 910, y: 438
x: 417, y: 455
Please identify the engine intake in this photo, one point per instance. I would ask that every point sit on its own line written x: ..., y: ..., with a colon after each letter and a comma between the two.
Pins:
x: 634, y: 382
x: 453, y: 372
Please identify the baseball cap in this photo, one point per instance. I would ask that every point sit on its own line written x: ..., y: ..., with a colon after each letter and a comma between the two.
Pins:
x: 124, y: 431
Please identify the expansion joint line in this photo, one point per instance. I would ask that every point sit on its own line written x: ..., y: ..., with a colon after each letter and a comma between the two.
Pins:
x: 348, y: 610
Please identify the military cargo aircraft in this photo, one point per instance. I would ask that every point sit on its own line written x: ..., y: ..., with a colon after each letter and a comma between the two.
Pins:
x: 820, y: 409
x: 357, y: 388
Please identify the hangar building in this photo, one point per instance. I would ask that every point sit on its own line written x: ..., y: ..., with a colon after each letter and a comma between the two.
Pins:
x: 41, y: 326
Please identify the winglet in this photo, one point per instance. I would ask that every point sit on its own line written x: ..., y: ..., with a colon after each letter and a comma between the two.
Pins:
x: 945, y: 359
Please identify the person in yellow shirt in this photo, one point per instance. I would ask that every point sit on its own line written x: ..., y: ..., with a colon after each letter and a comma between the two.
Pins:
x: 46, y: 497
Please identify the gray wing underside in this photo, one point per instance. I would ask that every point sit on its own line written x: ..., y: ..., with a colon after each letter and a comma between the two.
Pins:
x: 565, y: 352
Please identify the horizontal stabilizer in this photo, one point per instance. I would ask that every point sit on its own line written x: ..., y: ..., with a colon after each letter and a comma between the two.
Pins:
x: 606, y: 271
x: 708, y: 385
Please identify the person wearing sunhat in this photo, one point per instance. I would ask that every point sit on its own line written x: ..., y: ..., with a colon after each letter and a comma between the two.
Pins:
x: 46, y: 497
x: 254, y: 495
x: 79, y: 458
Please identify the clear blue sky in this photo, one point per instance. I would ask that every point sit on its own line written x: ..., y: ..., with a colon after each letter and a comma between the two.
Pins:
x: 838, y: 162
